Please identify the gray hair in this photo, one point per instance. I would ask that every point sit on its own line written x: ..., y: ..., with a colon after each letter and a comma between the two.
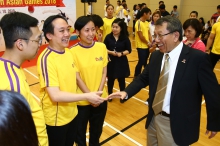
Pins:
x: 173, y: 24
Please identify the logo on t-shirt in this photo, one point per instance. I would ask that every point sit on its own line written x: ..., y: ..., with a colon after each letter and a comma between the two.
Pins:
x: 99, y: 58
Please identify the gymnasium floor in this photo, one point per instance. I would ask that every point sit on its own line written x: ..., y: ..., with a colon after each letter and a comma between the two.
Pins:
x: 124, y: 123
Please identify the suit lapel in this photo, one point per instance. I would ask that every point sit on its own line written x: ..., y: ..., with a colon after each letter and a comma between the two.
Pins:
x: 180, y: 69
x: 156, y: 67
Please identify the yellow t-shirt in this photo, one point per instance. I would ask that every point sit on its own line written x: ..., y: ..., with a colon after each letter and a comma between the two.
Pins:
x: 57, y: 69
x: 90, y: 62
x: 107, y: 27
x: 216, y: 45
x: 144, y: 28
x: 13, y: 79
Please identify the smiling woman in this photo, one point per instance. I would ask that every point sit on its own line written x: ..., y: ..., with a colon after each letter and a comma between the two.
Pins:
x: 91, y: 60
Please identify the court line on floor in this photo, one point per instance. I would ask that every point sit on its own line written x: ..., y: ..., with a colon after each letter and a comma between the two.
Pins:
x: 123, y: 130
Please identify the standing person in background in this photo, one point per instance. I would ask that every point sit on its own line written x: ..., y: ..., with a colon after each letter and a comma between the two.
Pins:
x: 22, y: 40
x: 143, y: 40
x: 161, y: 2
x: 193, y: 14
x: 119, y: 46
x: 91, y: 59
x: 16, y: 122
x: 106, y: 28
x: 214, y: 38
x: 155, y: 16
x: 143, y: 5
x: 192, y: 30
x: 135, y: 11
x: 89, y: 10
x: 119, y: 9
x: 125, y: 14
x: 105, y: 6
x: 201, y: 20
x: 58, y: 74
x: 215, y: 16
x: 98, y: 23
x: 163, y: 11
x: 174, y: 12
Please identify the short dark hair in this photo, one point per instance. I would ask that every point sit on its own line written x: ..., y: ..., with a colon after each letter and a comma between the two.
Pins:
x: 48, y: 25
x: 162, y: 6
x: 97, y: 20
x: 173, y: 24
x: 16, y: 122
x: 144, y: 10
x: 195, y: 24
x: 134, y: 7
x: 82, y: 21
x: 16, y: 25
x: 218, y: 7
x: 142, y: 5
x: 161, y: 2
x: 109, y: 6
x: 123, y: 26
x: 175, y: 6
x: 195, y: 13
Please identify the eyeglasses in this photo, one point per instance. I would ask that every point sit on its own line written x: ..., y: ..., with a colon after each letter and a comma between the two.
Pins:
x: 37, y: 41
x: 160, y: 36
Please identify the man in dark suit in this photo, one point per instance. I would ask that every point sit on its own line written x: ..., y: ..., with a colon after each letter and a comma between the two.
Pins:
x: 189, y: 76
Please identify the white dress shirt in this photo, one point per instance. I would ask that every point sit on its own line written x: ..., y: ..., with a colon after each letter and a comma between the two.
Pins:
x: 174, y: 57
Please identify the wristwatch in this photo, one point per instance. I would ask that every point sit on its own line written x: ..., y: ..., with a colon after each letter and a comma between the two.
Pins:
x: 121, y: 53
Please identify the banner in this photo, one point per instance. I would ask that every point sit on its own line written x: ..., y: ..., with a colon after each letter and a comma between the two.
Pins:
x: 40, y: 9
x: 23, y: 3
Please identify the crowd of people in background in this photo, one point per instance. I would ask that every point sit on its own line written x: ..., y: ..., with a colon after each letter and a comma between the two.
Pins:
x: 72, y: 91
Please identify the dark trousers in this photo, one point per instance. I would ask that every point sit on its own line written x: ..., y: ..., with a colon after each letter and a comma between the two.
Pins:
x: 95, y: 116
x: 143, y: 55
x: 111, y: 81
x: 134, y: 21
x: 214, y: 59
x: 62, y: 135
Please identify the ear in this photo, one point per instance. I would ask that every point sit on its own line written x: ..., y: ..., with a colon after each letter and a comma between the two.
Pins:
x: 176, y: 36
x: 19, y: 45
x: 77, y: 32
x: 49, y: 36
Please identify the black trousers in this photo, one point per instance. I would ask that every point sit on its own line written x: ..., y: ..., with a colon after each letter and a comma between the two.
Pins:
x: 214, y: 59
x: 111, y: 81
x: 143, y: 55
x: 62, y: 135
x: 95, y: 116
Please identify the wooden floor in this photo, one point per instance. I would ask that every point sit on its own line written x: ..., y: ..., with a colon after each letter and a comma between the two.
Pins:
x: 124, y: 123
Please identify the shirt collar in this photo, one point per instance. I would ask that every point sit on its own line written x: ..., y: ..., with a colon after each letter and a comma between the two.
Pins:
x: 175, y: 52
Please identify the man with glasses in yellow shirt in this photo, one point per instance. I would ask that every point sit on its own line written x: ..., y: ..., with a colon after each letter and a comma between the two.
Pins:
x: 22, y: 40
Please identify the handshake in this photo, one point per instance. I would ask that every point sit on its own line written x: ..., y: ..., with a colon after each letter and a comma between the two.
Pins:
x: 95, y: 98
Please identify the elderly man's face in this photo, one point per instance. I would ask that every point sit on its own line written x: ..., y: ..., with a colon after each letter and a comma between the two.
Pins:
x: 166, y: 41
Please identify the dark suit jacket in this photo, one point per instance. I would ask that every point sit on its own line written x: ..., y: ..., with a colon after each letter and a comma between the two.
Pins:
x: 192, y: 79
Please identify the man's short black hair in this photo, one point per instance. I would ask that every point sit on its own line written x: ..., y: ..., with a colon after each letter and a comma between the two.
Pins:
x: 162, y: 6
x: 48, y: 26
x: 15, y: 26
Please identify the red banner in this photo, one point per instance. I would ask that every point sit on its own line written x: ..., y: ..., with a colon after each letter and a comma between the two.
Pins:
x: 22, y: 3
